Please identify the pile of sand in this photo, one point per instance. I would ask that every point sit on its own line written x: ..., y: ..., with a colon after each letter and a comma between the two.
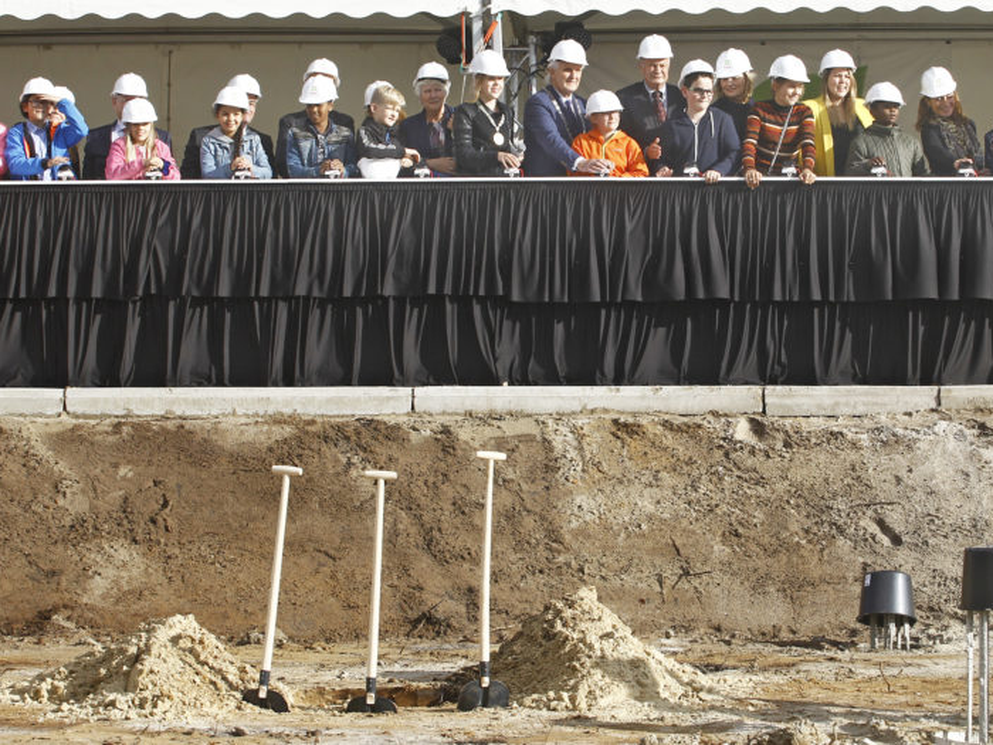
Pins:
x: 577, y: 654
x: 170, y: 668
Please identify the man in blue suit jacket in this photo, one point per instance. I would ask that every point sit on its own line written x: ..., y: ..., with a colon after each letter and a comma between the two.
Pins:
x: 126, y: 87
x: 648, y: 102
x: 554, y: 117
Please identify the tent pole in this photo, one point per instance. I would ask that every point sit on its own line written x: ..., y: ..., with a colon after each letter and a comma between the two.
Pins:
x: 477, y: 26
x: 497, y: 40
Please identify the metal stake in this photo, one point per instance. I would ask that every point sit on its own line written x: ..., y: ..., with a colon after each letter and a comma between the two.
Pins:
x: 970, y: 643
x: 984, y: 677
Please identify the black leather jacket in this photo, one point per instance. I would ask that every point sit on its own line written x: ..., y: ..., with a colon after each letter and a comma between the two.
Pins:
x: 475, y: 151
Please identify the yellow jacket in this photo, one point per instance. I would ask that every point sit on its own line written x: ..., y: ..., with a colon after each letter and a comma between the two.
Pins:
x: 823, y: 139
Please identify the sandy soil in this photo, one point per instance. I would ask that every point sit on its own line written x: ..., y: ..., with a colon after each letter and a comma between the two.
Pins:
x: 739, y: 536
x: 770, y: 694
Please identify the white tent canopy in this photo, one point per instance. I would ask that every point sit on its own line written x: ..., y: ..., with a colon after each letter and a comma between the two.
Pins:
x: 70, y: 9
x: 657, y: 7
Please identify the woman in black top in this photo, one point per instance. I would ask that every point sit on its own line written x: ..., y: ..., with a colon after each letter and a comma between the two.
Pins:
x: 734, y: 86
x: 949, y: 137
x: 484, y: 129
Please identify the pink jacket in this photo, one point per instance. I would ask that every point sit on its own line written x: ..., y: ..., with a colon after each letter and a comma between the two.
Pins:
x: 3, y: 148
x: 120, y: 169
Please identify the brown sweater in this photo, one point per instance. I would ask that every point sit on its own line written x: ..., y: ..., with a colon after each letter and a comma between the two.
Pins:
x: 762, y: 132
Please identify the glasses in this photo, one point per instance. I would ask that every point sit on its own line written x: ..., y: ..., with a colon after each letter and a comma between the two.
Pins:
x: 704, y: 92
x: 943, y: 99
x: 39, y: 105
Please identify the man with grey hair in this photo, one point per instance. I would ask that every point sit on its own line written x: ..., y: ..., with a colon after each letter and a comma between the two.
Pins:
x: 648, y: 102
x: 555, y: 116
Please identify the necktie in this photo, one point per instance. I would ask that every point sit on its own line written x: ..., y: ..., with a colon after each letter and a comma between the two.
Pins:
x: 436, y: 135
x: 659, y: 106
x: 577, y: 118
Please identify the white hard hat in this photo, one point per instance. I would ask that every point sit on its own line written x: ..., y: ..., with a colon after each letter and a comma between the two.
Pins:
x: 379, y: 167
x: 937, y: 82
x: 61, y: 92
x: 370, y: 90
x: 884, y: 92
x: 38, y: 87
x: 789, y: 67
x: 138, y: 111
x: 837, y: 58
x: 318, y: 89
x: 695, y: 65
x: 603, y: 102
x: 130, y: 84
x: 731, y: 63
x: 247, y: 83
x: 323, y: 66
x: 489, y: 62
x: 231, y: 96
x: 431, y: 71
x: 568, y: 50
x: 654, y: 47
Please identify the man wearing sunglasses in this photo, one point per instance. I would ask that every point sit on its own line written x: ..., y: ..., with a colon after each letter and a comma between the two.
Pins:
x: 38, y: 148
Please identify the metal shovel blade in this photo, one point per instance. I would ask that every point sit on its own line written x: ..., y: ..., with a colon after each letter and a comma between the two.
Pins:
x: 273, y: 701
x: 382, y: 706
x: 473, y: 696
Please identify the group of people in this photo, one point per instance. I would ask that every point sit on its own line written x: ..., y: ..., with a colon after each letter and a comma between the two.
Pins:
x: 706, y: 125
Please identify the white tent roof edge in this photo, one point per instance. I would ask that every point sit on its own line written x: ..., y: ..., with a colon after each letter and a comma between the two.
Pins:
x: 113, y: 9
x: 657, y: 7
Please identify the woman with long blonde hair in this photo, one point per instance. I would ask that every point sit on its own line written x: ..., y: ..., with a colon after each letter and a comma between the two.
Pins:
x: 484, y: 129
x: 839, y: 114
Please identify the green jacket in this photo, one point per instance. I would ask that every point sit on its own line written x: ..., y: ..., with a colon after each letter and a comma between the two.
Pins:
x: 902, y: 152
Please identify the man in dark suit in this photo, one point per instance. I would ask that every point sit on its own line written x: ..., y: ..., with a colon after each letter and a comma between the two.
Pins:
x: 190, y: 167
x: 554, y: 117
x: 99, y: 140
x: 299, y: 119
x: 647, y: 103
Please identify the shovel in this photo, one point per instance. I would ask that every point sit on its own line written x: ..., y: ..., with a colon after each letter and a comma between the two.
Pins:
x: 487, y: 692
x: 262, y: 696
x: 370, y: 702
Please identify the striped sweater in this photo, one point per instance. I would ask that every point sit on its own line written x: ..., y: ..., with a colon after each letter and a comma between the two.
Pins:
x: 762, y: 132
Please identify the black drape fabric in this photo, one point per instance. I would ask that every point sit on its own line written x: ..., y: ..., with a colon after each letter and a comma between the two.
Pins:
x: 475, y: 341
x: 528, y: 282
x: 526, y: 241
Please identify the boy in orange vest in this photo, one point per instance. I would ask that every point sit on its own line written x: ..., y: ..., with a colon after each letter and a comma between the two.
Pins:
x: 605, y: 142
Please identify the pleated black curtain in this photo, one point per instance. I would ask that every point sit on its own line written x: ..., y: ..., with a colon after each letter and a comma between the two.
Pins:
x: 528, y: 282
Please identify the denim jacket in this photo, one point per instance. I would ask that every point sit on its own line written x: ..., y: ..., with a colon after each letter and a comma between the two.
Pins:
x: 306, y: 149
x: 215, y: 154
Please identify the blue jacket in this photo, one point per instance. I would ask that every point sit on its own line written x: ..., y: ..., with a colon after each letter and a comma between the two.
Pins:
x: 299, y: 120
x: 306, y: 149
x: 549, y: 132
x: 717, y: 145
x: 215, y: 154
x: 24, y: 168
x: 415, y: 133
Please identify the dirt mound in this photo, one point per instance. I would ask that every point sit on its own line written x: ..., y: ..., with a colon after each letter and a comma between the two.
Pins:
x: 170, y: 668
x: 577, y: 654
